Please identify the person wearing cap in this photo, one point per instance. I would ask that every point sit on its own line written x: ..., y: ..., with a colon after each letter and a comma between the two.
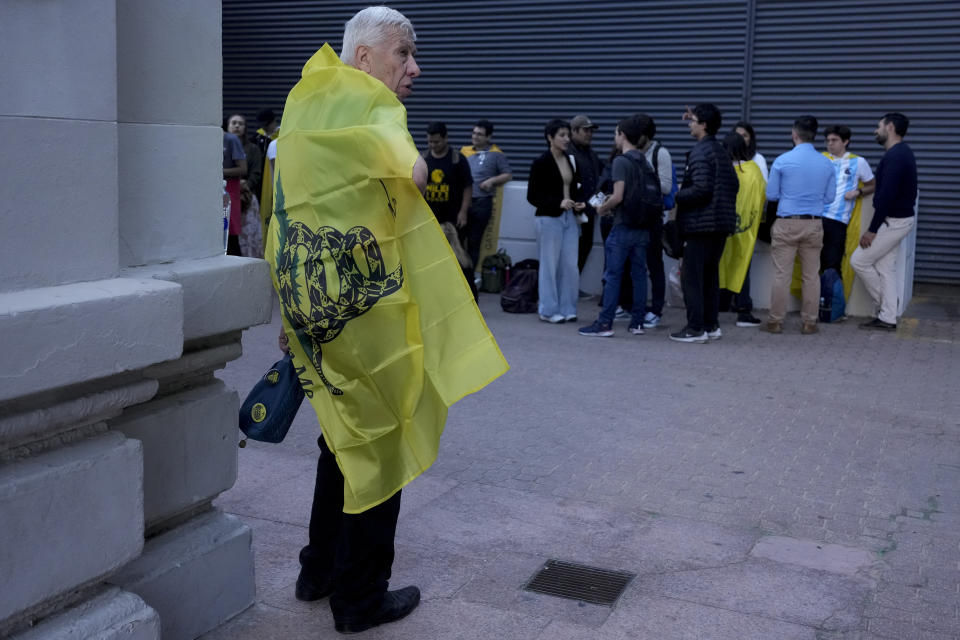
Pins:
x: 590, y: 166
x: 269, y: 128
x: 490, y: 169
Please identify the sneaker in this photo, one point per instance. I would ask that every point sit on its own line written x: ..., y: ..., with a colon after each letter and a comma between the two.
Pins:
x: 651, y: 320
x: 396, y: 605
x: 877, y: 323
x: 635, y: 329
x: 621, y: 313
x: 554, y: 319
x: 688, y: 336
x: 772, y: 327
x: 596, y: 330
x: 570, y: 318
x: 748, y: 320
x: 809, y: 328
x: 716, y: 334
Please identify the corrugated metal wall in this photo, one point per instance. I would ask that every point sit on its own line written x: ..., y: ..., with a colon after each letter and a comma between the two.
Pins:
x: 522, y: 62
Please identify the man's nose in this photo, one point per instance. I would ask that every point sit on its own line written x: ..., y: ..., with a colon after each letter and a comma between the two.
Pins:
x: 413, y: 69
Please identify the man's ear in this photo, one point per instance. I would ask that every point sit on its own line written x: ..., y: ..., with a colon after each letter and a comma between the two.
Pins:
x: 362, y: 58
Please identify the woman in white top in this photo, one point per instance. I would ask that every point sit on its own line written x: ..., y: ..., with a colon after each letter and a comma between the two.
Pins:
x: 745, y: 129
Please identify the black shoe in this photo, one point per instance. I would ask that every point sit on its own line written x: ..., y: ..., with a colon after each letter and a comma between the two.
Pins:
x: 309, y: 590
x: 689, y: 336
x: 748, y: 320
x: 877, y: 323
x: 396, y: 605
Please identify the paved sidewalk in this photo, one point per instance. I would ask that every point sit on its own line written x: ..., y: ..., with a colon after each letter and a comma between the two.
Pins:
x: 761, y: 487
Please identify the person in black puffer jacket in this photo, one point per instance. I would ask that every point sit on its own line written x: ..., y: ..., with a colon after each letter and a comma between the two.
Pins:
x: 706, y: 214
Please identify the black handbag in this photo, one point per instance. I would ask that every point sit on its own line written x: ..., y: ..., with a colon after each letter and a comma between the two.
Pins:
x: 272, y: 404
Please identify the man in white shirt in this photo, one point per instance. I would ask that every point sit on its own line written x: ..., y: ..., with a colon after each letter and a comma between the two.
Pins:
x: 854, y: 180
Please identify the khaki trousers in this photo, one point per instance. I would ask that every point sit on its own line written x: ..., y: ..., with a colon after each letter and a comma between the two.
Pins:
x: 790, y: 237
x: 876, y: 266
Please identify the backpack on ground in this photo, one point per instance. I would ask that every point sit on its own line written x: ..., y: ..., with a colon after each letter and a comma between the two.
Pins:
x: 522, y: 293
x: 493, y: 272
x: 833, y: 306
x: 642, y: 202
x: 669, y: 199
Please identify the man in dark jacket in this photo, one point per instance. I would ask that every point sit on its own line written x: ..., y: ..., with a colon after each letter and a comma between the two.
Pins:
x: 706, y: 214
x: 589, y: 165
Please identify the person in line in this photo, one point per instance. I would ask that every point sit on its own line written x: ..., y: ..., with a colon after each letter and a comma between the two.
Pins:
x: 659, y: 158
x: 251, y: 232
x: 894, y: 207
x: 448, y: 192
x: 802, y: 180
x: 234, y: 170
x: 553, y: 188
x: 738, y: 250
x: 706, y: 215
x: 625, y: 244
x: 745, y: 129
x: 854, y: 180
x: 590, y: 167
x: 490, y: 169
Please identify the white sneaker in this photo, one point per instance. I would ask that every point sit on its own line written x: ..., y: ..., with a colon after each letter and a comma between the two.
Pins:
x: 651, y: 320
x: 621, y: 313
x: 716, y: 334
x: 554, y: 319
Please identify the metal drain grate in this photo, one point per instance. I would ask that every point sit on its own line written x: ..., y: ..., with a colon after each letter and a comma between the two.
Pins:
x: 579, y: 582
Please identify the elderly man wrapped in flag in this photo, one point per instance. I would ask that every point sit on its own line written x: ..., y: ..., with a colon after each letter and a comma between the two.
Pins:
x: 382, y: 326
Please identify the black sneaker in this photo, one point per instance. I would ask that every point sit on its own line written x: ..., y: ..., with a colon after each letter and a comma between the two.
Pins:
x: 688, y: 336
x: 877, y: 323
x: 396, y: 605
x: 308, y: 589
x: 748, y: 320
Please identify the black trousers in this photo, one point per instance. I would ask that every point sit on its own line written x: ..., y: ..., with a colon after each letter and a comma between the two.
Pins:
x: 355, y: 551
x: 478, y: 217
x: 701, y: 279
x: 658, y: 279
x: 741, y: 302
x: 834, y: 244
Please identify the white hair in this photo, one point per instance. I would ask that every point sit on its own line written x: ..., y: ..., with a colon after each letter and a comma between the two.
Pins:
x: 370, y: 27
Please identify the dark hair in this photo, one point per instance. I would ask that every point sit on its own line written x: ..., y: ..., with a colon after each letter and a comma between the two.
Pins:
x: 553, y: 127
x: 806, y: 128
x: 224, y: 125
x: 736, y: 146
x: 709, y: 115
x: 436, y: 127
x: 486, y: 125
x: 265, y: 117
x: 632, y: 128
x: 837, y: 130
x: 648, y: 127
x: 900, y: 122
x: 752, y: 145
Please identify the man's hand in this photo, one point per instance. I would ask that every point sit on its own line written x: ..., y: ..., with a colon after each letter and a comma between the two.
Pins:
x: 461, y: 219
x: 853, y: 194
x: 867, y: 239
x: 579, y: 206
x: 567, y: 203
x: 487, y: 184
x: 420, y: 173
x: 283, y: 343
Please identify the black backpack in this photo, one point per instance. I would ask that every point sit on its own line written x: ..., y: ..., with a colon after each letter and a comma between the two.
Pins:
x: 642, y: 201
x: 521, y: 294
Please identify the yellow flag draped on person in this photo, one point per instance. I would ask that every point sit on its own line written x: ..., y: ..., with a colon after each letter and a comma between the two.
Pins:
x: 738, y: 251
x: 382, y: 326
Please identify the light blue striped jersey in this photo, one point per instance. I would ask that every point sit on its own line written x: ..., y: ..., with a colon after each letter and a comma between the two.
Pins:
x: 850, y: 171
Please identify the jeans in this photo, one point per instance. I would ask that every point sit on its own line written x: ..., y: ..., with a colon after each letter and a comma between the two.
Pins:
x: 626, y: 283
x: 625, y: 245
x: 354, y: 550
x: 701, y: 279
x: 478, y: 216
x: 559, y: 280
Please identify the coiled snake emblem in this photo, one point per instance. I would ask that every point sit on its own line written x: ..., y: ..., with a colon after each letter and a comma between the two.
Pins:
x: 322, y: 316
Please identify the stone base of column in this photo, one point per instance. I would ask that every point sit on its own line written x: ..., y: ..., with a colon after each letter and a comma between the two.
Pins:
x: 196, y: 576
x: 111, y: 615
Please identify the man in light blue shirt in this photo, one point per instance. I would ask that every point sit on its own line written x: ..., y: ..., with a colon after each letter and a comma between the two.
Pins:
x: 803, y: 182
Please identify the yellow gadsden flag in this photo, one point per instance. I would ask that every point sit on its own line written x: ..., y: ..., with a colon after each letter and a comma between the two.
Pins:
x: 382, y: 325
x: 738, y: 251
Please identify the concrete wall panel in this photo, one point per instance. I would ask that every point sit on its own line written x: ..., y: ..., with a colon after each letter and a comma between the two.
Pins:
x: 93, y: 490
x: 167, y: 72
x: 171, y: 200
x: 59, y: 60
x: 112, y: 615
x: 59, y: 204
